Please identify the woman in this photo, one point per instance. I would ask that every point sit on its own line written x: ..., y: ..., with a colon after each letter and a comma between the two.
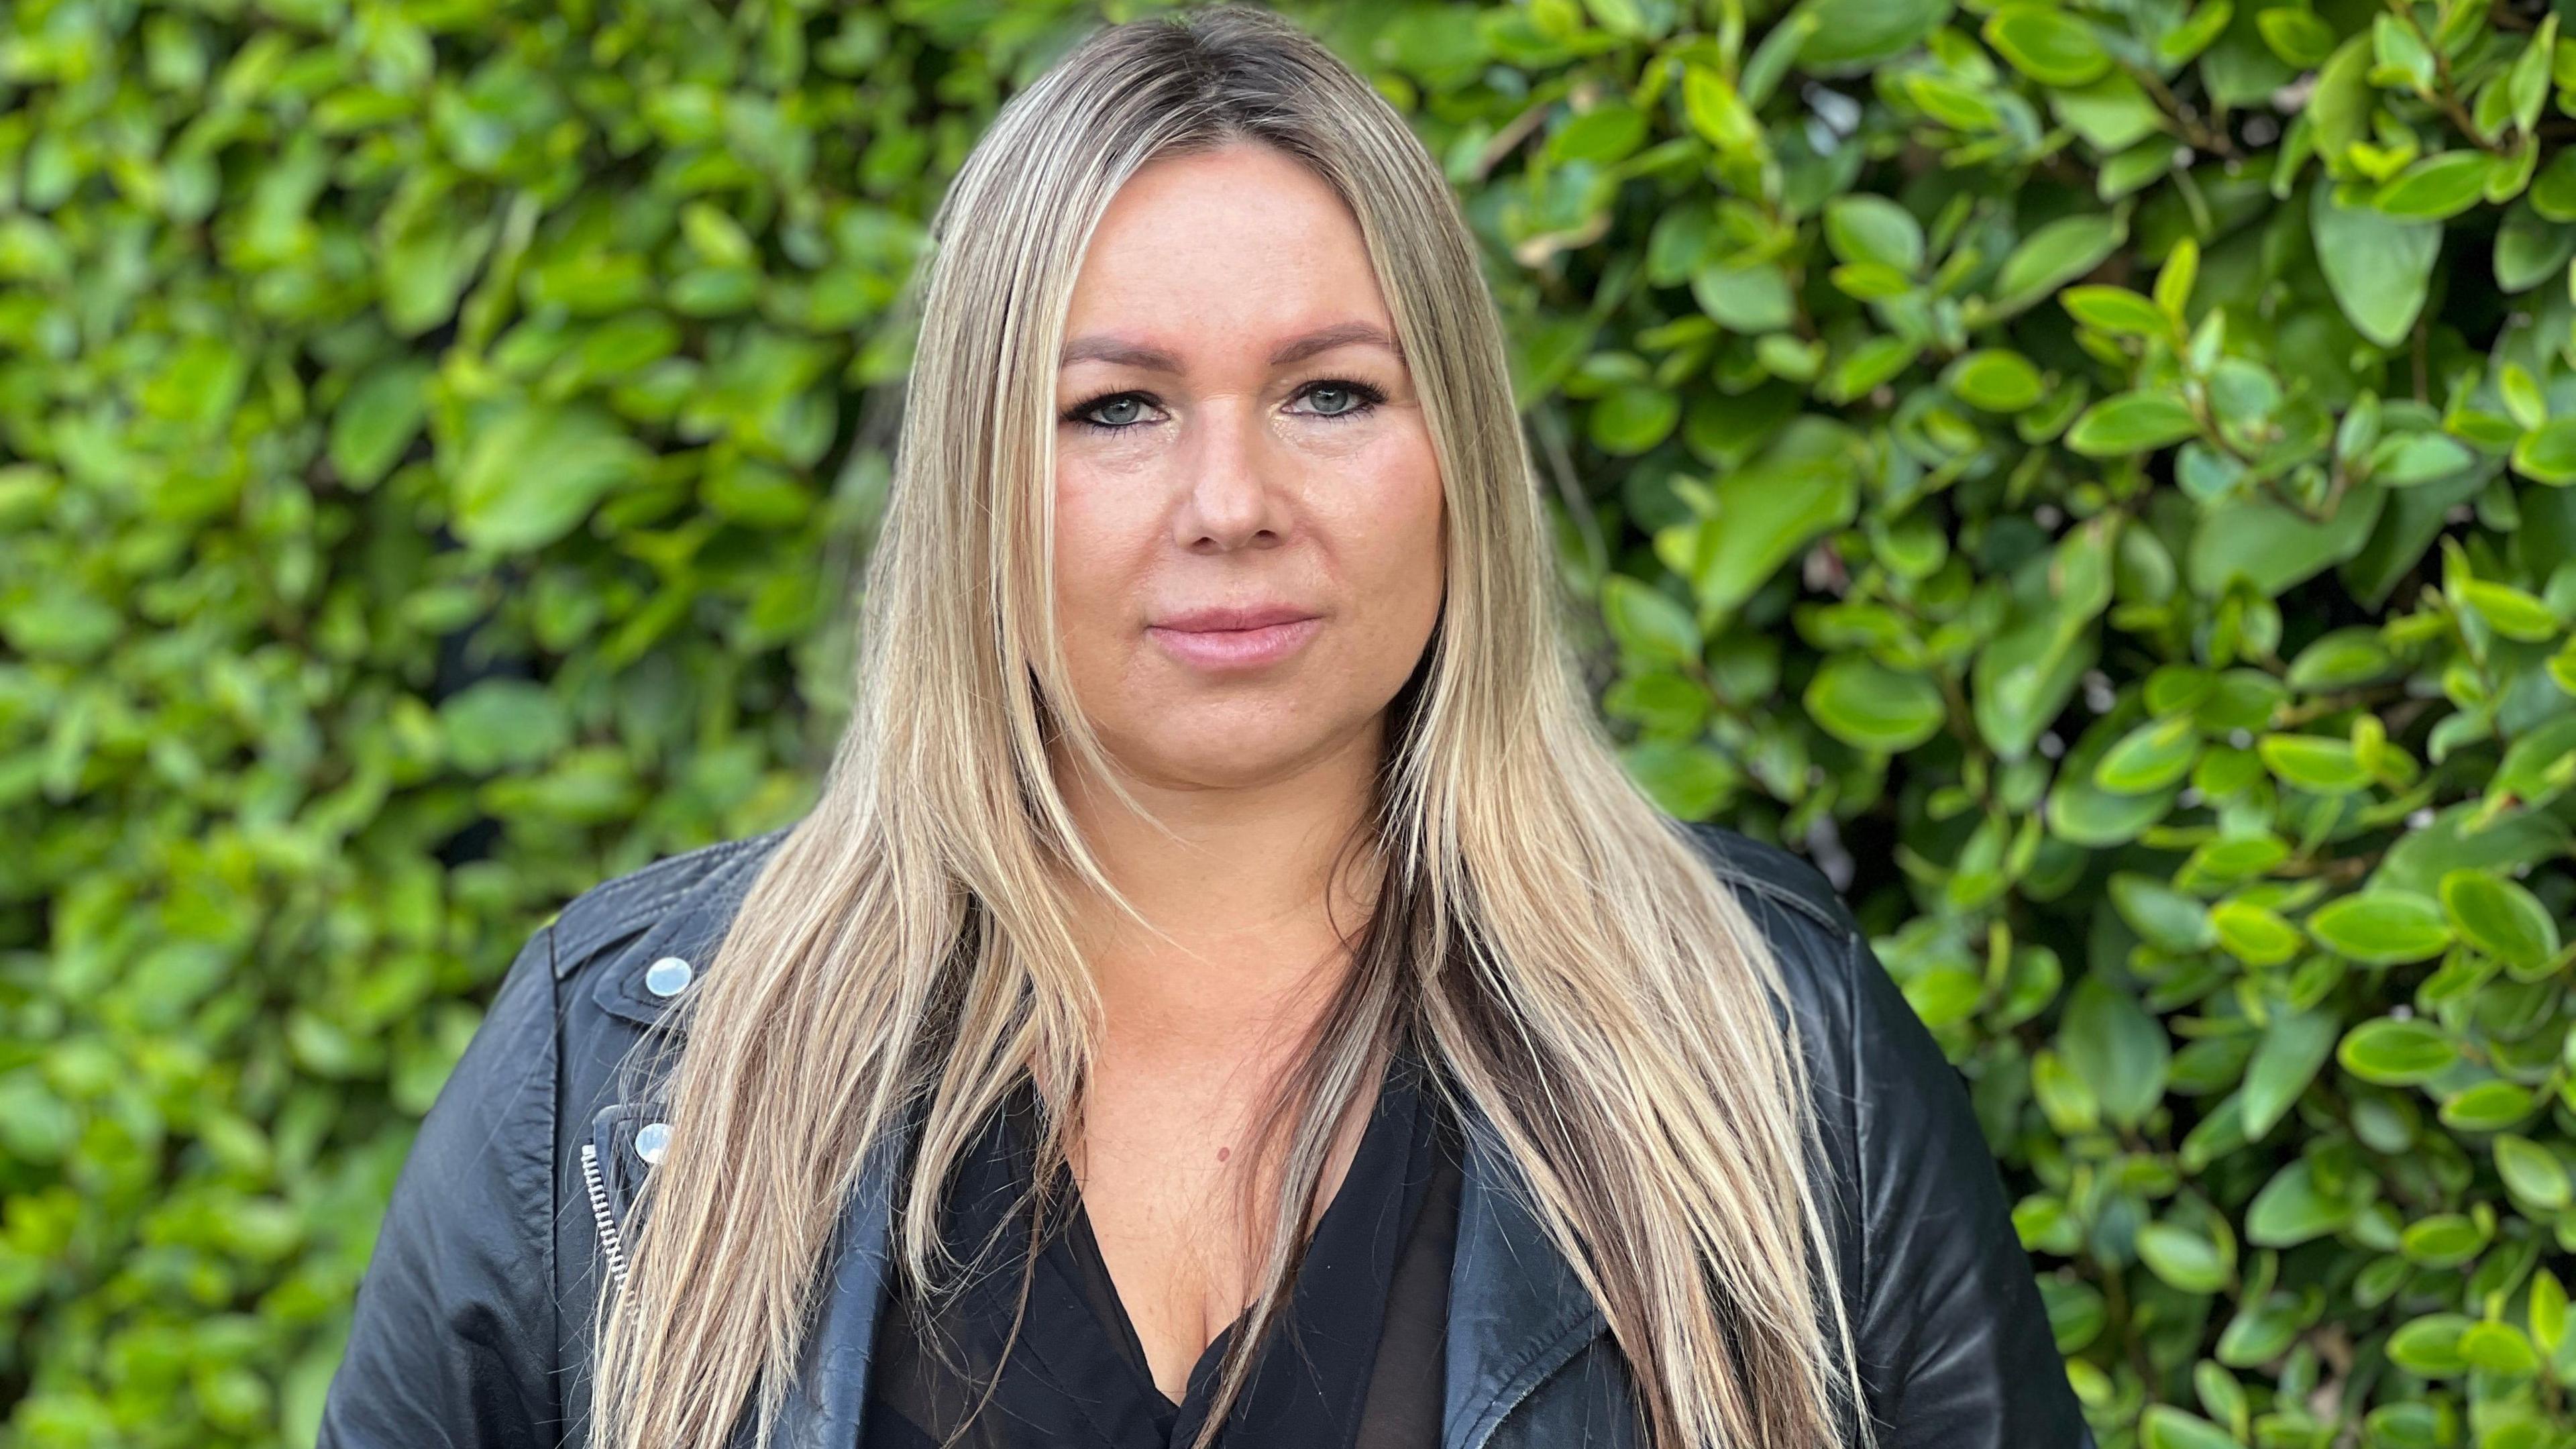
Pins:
x: 1227, y: 990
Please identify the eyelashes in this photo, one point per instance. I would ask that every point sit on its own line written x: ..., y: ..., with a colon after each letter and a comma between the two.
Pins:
x: 1367, y: 399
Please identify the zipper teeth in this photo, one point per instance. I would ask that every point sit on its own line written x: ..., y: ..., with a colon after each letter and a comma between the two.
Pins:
x: 599, y: 1212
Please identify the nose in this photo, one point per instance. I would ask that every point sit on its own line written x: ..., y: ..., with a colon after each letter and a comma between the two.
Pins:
x: 1235, y: 488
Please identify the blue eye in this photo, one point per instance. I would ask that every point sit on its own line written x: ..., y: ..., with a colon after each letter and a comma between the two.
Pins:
x: 1080, y: 413
x: 1363, y: 397
x: 1124, y: 401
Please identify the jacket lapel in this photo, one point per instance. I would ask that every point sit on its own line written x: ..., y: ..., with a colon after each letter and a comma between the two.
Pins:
x: 1517, y: 1312
x: 828, y: 1401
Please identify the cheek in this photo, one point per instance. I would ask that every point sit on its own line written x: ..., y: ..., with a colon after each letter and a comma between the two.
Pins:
x: 1393, y: 540
x: 1407, y: 510
x: 1100, y: 533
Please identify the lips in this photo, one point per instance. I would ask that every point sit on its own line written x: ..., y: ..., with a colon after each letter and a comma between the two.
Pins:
x: 1226, y: 618
x: 1232, y: 638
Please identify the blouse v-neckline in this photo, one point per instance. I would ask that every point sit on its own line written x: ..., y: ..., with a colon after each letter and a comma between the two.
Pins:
x: 1374, y: 1278
x: 1339, y: 1243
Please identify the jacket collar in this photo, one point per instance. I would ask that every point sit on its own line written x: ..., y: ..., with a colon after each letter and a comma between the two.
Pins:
x: 1517, y: 1311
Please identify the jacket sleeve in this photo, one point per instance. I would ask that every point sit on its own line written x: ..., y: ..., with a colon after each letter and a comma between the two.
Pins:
x: 1954, y: 1330
x: 452, y: 1338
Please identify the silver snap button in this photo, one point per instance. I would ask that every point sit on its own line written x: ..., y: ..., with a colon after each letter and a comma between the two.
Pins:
x: 666, y: 976
x: 651, y: 1140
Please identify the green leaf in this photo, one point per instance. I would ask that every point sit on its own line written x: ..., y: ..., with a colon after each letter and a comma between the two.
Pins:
x: 2294, y: 1047
x: 1871, y: 707
x: 2553, y: 189
x: 2049, y: 45
x: 1715, y: 109
x: 2132, y: 422
x: 1861, y: 227
x: 2189, y: 39
x: 2081, y: 813
x: 2500, y: 918
x: 2488, y: 1107
x: 1994, y: 379
x: 536, y: 472
x: 498, y: 724
x: 2379, y: 267
x: 2161, y: 914
x: 2163, y: 1426
x: 2532, y: 1171
x: 2443, y: 1240
x: 1745, y: 299
x: 2499, y: 1348
x: 715, y: 236
x: 2547, y: 454
x: 379, y: 419
x: 2112, y: 114
x: 1629, y: 420
x: 2313, y: 763
x: 2273, y: 547
x: 2548, y: 1311
x: 2117, y: 310
x: 2292, y: 1208
x: 2511, y: 612
x: 2396, y: 1053
x: 2430, y: 1346
x: 2435, y: 187
x: 2405, y: 460
x: 2339, y: 659
x: 2254, y: 935
x: 2056, y: 254
x: 1852, y: 35
x: 1648, y: 623
x: 2297, y: 36
x: 2381, y: 927
x: 2117, y: 1048
x: 2341, y: 104
x: 2149, y: 757
x: 2187, y: 1260
x: 2530, y: 250
x: 1689, y: 781
x: 1807, y: 481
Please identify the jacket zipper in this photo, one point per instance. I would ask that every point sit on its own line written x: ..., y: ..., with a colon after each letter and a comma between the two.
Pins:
x: 608, y: 1238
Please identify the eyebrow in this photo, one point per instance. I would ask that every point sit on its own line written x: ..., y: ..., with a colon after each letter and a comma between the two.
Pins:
x: 1297, y: 349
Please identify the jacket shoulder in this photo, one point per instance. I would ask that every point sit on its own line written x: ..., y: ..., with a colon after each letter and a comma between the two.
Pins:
x: 1818, y: 948
x: 1779, y: 877
x: 624, y: 907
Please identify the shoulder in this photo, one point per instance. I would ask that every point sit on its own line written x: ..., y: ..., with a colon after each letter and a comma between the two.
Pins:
x: 1848, y: 1010
x: 626, y: 907
x: 1778, y: 878
x: 1807, y: 928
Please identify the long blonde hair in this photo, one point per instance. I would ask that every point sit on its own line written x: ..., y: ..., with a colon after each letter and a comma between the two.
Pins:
x: 1576, y: 973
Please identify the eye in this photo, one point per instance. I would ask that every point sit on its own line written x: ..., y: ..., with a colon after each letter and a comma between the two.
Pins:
x: 1342, y: 397
x: 1117, y: 404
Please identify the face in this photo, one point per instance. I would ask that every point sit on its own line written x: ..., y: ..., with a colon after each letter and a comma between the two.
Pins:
x: 1248, y: 516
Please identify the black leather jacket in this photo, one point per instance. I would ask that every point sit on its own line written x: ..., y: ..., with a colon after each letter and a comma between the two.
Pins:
x: 472, y: 1322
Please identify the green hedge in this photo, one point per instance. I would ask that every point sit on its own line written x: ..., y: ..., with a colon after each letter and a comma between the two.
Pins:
x: 2096, y: 476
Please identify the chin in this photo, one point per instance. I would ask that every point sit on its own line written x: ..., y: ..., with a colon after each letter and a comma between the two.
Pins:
x: 1225, y: 758
x: 1214, y: 748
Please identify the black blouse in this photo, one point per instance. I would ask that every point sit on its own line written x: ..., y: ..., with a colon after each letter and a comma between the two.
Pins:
x: 1355, y: 1361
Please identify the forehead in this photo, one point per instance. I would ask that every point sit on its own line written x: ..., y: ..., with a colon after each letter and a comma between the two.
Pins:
x: 1243, y: 245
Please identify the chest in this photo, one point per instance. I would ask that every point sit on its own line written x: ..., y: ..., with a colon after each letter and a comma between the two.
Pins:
x: 1177, y: 1209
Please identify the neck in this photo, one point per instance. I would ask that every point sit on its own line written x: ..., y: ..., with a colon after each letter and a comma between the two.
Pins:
x: 1253, y: 887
